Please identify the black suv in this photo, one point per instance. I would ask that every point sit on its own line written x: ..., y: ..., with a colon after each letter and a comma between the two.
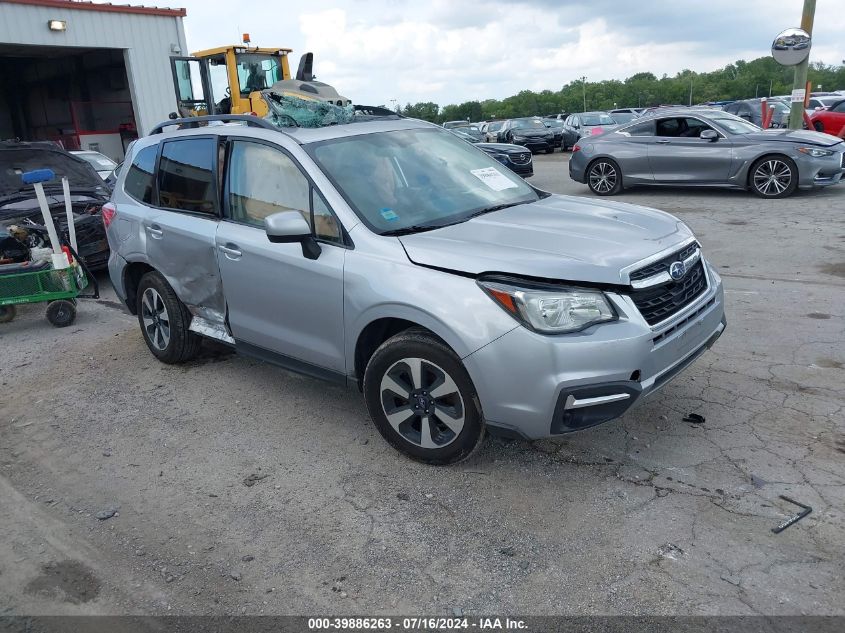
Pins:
x: 529, y: 132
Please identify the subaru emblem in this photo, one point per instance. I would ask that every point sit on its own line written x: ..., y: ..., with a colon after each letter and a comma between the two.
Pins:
x: 677, y: 270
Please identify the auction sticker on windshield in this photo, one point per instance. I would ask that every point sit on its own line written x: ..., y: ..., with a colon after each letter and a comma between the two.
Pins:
x: 493, y: 178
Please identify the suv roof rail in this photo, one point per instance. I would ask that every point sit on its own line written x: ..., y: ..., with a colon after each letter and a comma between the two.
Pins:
x: 194, y: 121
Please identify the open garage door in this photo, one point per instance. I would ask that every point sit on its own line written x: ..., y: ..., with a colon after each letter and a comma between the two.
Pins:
x: 78, y: 97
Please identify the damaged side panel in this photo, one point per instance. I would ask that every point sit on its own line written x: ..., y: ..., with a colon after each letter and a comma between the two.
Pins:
x: 182, y: 246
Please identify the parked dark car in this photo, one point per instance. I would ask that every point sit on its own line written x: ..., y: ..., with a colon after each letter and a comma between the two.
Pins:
x: 555, y: 126
x: 751, y: 110
x: 583, y: 124
x: 529, y: 132
x: 515, y: 157
x: 88, y: 192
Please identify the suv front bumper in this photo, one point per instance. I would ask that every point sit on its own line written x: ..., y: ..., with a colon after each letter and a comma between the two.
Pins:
x: 538, y: 385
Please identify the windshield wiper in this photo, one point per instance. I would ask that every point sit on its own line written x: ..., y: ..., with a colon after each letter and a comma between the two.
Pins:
x: 414, y: 228
x: 495, y: 207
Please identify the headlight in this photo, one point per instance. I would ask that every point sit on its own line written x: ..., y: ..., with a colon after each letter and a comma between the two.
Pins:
x: 502, y: 158
x: 551, y: 310
x: 815, y: 152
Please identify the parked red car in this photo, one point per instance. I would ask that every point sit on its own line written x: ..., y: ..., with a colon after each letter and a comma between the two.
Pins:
x: 830, y: 121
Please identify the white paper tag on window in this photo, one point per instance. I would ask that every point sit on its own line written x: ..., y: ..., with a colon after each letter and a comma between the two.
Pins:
x: 493, y: 178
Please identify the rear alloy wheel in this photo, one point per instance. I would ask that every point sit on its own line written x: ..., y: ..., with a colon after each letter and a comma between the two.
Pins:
x: 819, y: 126
x: 422, y: 400
x: 165, y: 320
x: 774, y: 177
x: 604, y: 177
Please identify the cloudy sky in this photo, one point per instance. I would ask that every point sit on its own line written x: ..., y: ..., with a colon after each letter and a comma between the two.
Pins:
x: 449, y: 51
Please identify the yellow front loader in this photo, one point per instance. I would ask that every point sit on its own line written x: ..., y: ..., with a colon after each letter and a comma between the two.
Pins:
x: 230, y: 80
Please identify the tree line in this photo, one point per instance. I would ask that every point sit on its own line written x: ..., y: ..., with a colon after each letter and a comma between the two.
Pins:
x: 761, y: 77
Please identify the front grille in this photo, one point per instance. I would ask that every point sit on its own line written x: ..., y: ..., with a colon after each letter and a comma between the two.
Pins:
x: 662, y: 265
x: 521, y: 159
x: 658, y: 303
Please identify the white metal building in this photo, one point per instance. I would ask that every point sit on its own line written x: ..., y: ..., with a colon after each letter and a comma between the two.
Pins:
x: 91, y: 76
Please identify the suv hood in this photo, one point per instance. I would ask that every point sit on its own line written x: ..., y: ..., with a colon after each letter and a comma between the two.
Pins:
x: 794, y: 136
x: 560, y: 237
x: 16, y: 159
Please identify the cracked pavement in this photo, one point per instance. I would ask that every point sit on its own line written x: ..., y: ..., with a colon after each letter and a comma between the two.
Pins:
x: 645, y: 515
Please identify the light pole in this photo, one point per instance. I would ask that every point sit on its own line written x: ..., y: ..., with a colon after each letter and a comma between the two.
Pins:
x: 796, y: 116
x: 584, y: 86
x: 394, y: 102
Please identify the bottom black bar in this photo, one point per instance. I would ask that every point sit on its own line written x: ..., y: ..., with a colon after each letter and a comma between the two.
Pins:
x: 529, y: 624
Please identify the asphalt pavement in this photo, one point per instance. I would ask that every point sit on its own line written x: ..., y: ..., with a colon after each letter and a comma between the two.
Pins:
x: 234, y: 487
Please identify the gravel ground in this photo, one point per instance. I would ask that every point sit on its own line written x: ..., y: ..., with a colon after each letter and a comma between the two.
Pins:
x: 233, y: 487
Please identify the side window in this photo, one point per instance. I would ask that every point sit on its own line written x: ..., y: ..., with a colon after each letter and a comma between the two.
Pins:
x: 264, y: 181
x: 326, y: 226
x: 839, y: 107
x: 642, y: 129
x: 139, y: 178
x: 186, y: 175
x: 668, y: 127
x: 692, y: 128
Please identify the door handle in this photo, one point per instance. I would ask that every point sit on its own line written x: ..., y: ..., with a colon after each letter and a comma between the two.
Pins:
x: 155, y: 231
x: 663, y: 141
x: 231, y: 251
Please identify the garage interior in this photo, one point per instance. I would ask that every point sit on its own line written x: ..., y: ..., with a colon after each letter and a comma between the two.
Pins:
x: 77, y: 97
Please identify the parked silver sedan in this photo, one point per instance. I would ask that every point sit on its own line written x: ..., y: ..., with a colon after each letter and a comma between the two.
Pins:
x: 707, y: 148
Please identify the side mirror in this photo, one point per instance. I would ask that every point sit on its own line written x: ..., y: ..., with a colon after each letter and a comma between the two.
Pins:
x: 709, y: 135
x: 287, y: 227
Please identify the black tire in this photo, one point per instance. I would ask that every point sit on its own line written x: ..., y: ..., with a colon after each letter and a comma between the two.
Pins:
x: 7, y: 313
x: 550, y: 150
x: 604, y: 178
x: 392, y: 363
x: 819, y: 126
x: 773, y: 177
x: 164, y: 321
x: 61, y: 312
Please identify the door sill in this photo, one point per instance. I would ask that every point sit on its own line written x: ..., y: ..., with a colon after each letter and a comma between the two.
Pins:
x: 290, y: 363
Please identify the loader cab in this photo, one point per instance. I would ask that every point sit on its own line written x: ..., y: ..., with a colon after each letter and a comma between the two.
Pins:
x: 227, y: 80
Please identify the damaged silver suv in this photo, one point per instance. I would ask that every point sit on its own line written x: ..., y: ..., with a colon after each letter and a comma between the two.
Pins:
x: 389, y: 254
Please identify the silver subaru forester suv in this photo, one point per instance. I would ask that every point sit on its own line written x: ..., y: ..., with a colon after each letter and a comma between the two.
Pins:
x: 389, y: 254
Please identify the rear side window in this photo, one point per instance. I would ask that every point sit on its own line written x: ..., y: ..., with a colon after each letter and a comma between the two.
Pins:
x: 186, y: 176
x: 839, y: 107
x: 641, y: 129
x: 139, y: 178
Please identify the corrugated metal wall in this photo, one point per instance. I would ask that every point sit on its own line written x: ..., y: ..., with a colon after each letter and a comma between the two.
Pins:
x: 146, y: 40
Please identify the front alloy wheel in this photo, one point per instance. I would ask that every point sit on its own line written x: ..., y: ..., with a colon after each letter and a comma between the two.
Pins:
x: 604, y: 177
x: 422, y: 400
x: 774, y: 177
x: 422, y: 403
